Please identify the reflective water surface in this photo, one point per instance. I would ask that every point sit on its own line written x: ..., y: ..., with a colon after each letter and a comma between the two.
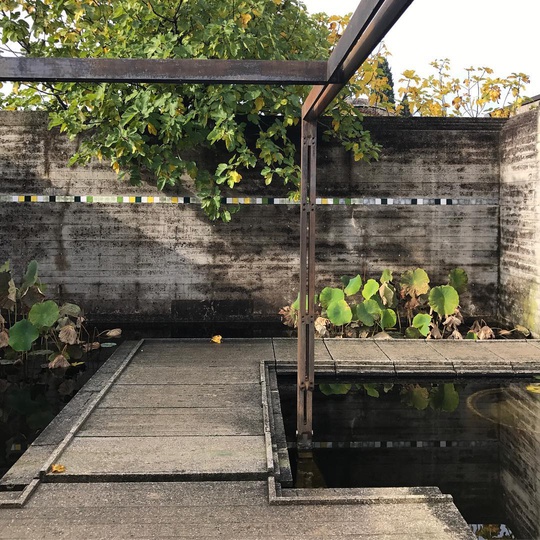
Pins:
x: 477, y: 439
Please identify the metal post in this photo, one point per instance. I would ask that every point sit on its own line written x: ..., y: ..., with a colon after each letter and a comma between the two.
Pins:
x: 306, y: 321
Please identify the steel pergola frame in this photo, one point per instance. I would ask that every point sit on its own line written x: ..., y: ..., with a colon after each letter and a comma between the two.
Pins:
x: 369, y: 24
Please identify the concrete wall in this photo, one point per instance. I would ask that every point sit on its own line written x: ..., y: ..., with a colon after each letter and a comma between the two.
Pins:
x: 520, y: 214
x: 163, y: 262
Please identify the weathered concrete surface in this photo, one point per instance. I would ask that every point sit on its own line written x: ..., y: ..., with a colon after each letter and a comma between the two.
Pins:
x: 228, y: 510
x: 519, y: 292
x: 168, y: 263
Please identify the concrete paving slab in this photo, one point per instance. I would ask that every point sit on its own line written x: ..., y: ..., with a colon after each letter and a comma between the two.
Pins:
x: 165, y: 422
x: 226, y: 455
x: 191, y: 374
x: 185, y: 395
x: 227, y: 353
x: 27, y: 466
x: 513, y: 351
x: 362, y: 351
x: 285, y: 350
x: 405, y: 351
x: 463, y: 351
x: 369, y: 369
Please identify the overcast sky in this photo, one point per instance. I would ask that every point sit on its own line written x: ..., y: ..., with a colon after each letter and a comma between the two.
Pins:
x: 499, y: 34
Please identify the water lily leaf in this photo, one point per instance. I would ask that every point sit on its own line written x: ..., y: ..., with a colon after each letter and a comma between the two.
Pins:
x: 329, y: 295
x: 458, y: 279
x: 368, y: 312
x: 523, y: 330
x: 444, y: 397
x: 371, y: 389
x: 70, y: 310
x: 59, y: 361
x: 44, y: 315
x: 22, y: 334
x: 8, y: 291
x: 339, y: 312
x: 386, y: 276
x: 335, y: 389
x: 345, y: 280
x: 444, y: 299
x: 353, y: 286
x: 388, y: 318
x: 115, y: 332
x: 414, y: 282
x: 387, y: 294
x: 30, y: 277
x: 370, y: 288
x: 412, y: 333
x: 471, y: 335
x: 422, y: 322
x: 68, y: 334
x: 415, y: 396
x: 109, y: 345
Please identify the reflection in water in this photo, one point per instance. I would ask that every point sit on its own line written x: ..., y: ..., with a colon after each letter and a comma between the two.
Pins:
x: 478, y: 440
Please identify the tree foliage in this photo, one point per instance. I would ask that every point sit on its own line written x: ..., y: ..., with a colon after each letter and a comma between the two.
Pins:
x: 148, y: 130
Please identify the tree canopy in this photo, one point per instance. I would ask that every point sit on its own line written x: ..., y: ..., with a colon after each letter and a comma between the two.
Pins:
x: 148, y: 130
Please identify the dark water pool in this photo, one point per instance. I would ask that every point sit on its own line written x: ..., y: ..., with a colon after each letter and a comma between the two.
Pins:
x: 477, y: 439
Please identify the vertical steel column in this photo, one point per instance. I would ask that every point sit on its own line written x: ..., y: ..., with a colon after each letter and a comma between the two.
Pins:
x: 306, y: 320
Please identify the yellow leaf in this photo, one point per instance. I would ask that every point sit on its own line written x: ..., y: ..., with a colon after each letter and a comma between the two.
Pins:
x: 235, y: 176
x: 245, y: 17
x: 216, y: 339
x: 259, y: 103
x: 277, y: 2
x: 78, y: 14
x: 408, y: 73
x: 534, y: 388
x: 152, y: 129
x: 57, y: 468
x: 116, y: 167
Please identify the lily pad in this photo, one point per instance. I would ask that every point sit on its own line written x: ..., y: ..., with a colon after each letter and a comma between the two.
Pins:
x: 414, y: 282
x: 422, y: 322
x: 386, y: 276
x: 44, y: 315
x: 444, y: 397
x: 458, y: 279
x: 370, y: 288
x: 329, y: 295
x: 339, y: 312
x: 388, y: 318
x: 334, y: 389
x: 368, y: 312
x: 22, y: 334
x: 353, y: 286
x: 444, y: 299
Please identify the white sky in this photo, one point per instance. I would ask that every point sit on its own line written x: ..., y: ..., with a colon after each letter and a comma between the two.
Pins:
x: 499, y: 34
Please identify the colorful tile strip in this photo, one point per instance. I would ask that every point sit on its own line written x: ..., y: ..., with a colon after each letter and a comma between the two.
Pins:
x: 322, y: 201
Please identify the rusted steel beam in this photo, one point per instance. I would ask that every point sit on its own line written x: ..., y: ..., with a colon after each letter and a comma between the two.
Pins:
x: 306, y: 320
x: 126, y: 70
x: 370, y: 23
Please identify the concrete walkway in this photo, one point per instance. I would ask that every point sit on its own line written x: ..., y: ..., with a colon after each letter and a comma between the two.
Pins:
x: 169, y: 439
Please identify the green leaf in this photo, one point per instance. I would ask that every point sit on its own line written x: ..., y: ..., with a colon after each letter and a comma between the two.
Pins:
x: 371, y: 389
x: 444, y: 397
x: 370, y: 288
x: 414, y: 282
x: 44, y: 315
x: 415, y: 396
x: 422, y: 322
x: 108, y: 345
x: 339, y: 312
x: 329, y: 295
x: 388, y: 318
x: 5, y: 267
x: 412, y: 333
x: 444, y: 299
x: 22, y: 334
x: 30, y: 277
x: 386, y: 276
x: 458, y: 279
x: 368, y: 312
x: 345, y: 280
x: 353, y: 286
x: 471, y: 335
x: 334, y: 389
x: 71, y: 310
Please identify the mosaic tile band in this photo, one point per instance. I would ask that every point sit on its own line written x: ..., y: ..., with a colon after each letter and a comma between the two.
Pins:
x: 125, y: 199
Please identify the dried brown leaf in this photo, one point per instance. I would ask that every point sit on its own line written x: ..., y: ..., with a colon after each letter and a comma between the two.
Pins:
x: 68, y: 335
x: 4, y: 339
x: 57, y: 468
x: 503, y: 332
x: 486, y: 333
x: 435, y: 333
x: 59, y: 362
x: 288, y: 316
x: 91, y: 346
x: 115, y: 332
x: 321, y: 326
x: 456, y: 334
